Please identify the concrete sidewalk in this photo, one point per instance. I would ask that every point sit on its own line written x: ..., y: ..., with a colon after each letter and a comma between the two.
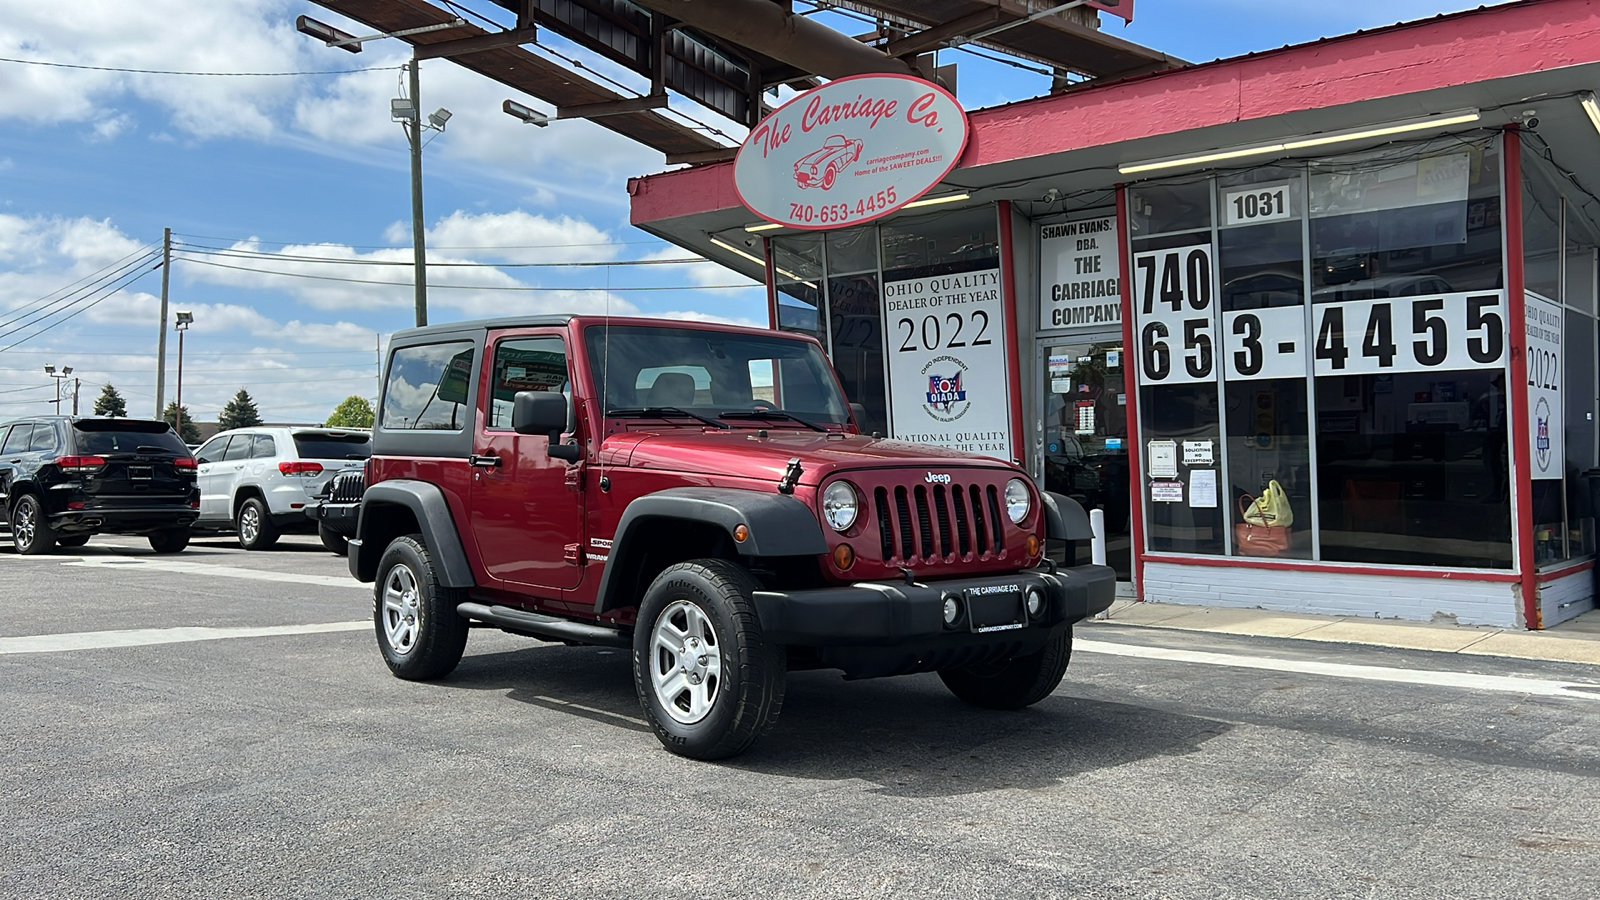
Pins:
x: 1576, y: 641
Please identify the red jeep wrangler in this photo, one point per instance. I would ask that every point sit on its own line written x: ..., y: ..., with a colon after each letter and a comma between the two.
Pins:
x: 700, y: 494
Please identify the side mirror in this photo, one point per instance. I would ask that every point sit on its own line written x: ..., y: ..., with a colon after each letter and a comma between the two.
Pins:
x: 543, y: 412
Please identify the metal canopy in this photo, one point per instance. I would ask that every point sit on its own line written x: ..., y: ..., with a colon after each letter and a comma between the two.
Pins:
x: 523, y: 70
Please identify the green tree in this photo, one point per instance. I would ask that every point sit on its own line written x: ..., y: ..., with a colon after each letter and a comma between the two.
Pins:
x: 110, y: 403
x: 354, y: 412
x: 190, y: 432
x: 240, y: 412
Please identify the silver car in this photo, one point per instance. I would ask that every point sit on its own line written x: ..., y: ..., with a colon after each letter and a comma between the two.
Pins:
x: 256, y: 482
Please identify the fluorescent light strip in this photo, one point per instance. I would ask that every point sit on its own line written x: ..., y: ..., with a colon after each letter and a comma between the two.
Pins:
x: 1590, y: 107
x: 759, y: 261
x: 1444, y: 120
x: 947, y: 198
x: 764, y: 226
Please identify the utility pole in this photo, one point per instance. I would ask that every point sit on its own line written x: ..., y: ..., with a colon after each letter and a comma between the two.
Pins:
x: 76, y: 384
x: 161, y: 345
x: 419, y: 252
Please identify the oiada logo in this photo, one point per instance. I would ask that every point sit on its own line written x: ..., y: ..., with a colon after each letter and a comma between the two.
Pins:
x: 934, y: 478
x: 1541, y: 434
x: 946, y: 399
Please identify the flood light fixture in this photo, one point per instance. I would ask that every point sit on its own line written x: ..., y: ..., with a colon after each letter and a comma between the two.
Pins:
x: 1424, y: 123
x: 527, y: 114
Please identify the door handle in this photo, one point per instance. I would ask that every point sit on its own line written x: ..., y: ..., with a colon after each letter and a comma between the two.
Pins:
x: 491, y: 462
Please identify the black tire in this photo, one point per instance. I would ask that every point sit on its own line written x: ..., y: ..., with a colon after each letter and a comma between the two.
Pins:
x: 419, y: 632
x: 333, y: 540
x: 706, y: 604
x: 1013, y: 683
x: 170, y: 541
x: 72, y: 540
x: 253, y: 524
x: 31, y: 533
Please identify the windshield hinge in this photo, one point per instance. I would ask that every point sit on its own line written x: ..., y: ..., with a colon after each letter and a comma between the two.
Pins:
x: 791, y: 476
x: 574, y: 478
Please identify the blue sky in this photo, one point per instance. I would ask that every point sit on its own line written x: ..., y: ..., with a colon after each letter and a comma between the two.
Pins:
x: 261, y: 172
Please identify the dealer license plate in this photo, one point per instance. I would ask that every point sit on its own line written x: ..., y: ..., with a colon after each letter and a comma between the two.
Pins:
x: 995, y: 607
x: 141, y: 473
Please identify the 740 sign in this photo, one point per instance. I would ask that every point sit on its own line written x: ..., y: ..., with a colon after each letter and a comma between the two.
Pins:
x: 1173, y: 291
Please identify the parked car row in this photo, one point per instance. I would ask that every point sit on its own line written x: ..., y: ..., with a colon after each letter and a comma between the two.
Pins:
x: 64, y: 479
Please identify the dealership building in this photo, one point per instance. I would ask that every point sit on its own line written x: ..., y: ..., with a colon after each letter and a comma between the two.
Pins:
x: 1315, y: 327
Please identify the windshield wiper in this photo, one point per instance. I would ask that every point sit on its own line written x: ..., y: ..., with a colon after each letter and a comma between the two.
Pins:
x: 771, y: 414
x: 664, y: 411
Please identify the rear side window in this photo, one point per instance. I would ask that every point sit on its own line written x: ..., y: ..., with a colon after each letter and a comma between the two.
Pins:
x: 212, y: 451
x: 264, y: 447
x: 427, y: 388
x: 238, y: 447
x: 44, y: 439
x: 95, y: 441
x: 17, y: 440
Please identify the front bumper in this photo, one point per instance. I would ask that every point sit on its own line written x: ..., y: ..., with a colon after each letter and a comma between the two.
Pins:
x: 340, y: 518
x: 886, y: 628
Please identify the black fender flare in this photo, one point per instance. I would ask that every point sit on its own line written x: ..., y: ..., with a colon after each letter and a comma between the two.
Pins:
x: 1064, y: 518
x: 779, y: 525
x: 439, y: 532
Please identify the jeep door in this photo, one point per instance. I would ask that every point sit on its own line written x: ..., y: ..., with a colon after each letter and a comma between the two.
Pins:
x: 527, y: 516
x: 215, y: 478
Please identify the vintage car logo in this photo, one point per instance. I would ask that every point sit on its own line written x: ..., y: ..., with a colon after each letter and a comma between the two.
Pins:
x: 820, y: 168
x: 946, y: 399
x: 937, y: 479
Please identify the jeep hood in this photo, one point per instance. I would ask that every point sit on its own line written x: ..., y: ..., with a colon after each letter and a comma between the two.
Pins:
x: 744, y: 453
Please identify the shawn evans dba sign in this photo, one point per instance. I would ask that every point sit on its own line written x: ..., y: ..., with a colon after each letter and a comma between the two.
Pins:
x: 1079, y: 275
x: 946, y: 341
x: 850, y: 151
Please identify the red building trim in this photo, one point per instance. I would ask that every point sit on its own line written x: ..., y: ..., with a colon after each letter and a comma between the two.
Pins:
x: 1550, y: 575
x: 772, y: 285
x: 1131, y: 386
x: 1008, y: 291
x: 1255, y: 562
x: 1517, y: 379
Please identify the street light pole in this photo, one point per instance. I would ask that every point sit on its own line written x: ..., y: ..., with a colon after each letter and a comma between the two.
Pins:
x: 419, y: 251
x: 59, y: 377
x: 185, y: 319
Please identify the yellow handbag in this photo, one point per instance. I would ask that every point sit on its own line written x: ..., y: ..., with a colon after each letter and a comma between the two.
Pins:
x: 1271, y: 508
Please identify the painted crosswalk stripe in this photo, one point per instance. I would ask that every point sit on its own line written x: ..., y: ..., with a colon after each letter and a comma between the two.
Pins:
x: 144, y: 637
x: 1508, y: 684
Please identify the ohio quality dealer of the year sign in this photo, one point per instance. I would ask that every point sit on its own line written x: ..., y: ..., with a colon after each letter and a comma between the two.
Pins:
x: 849, y: 152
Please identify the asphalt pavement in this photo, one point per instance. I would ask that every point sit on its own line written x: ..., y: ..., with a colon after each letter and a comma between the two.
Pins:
x: 220, y: 724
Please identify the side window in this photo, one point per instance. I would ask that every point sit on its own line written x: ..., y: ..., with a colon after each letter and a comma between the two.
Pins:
x: 525, y: 364
x: 17, y: 440
x: 238, y: 448
x: 44, y: 439
x: 263, y: 447
x: 427, y: 387
x: 212, y: 451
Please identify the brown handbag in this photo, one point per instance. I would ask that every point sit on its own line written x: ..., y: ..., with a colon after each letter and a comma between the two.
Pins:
x: 1258, y: 540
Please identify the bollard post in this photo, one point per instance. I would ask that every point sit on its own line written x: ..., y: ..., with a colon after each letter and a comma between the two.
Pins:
x: 1097, y: 546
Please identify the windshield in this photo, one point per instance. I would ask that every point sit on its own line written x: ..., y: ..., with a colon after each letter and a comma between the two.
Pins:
x: 712, y: 372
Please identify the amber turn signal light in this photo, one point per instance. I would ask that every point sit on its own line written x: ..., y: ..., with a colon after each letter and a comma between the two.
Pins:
x: 741, y: 533
x: 1033, y: 545
x: 843, y: 557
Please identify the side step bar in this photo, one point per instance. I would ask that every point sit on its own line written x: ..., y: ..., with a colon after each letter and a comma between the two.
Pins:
x: 546, y: 626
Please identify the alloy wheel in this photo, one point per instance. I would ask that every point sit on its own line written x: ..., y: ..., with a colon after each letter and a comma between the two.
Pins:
x: 685, y: 662
x: 25, y: 523
x: 402, y: 610
x: 249, y: 524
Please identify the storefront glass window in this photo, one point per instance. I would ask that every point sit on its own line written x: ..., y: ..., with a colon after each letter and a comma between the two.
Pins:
x: 1408, y: 347
x: 797, y: 263
x: 1169, y: 207
x: 1579, y: 386
x: 1261, y: 262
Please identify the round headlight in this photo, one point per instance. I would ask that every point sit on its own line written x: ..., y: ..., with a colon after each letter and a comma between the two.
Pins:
x: 1017, y: 500
x: 840, y: 505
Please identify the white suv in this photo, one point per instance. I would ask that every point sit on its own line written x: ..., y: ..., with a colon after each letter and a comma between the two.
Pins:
x: 256, y: 482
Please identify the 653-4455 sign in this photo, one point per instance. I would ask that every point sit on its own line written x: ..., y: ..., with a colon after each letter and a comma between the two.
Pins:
x: 851, y: 151
x: 1178, y: 341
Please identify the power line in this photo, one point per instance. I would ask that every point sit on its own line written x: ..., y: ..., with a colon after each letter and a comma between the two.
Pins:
x: 205, y: 250
x: 237, y: 240
x: 45, y: 312
x: 466, y: 287
x: 92, y: 276
x: 58, y: 65
x: 81, y: 308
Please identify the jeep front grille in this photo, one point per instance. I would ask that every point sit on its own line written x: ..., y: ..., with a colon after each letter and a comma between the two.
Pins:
x: 347, y: 487
x: 945, y: 524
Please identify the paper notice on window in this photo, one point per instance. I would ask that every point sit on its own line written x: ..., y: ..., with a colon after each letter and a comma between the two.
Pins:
x: 1197, y: 453
x: 1166, y: 492
x: 1203, y: 488
x: 1163, y: 459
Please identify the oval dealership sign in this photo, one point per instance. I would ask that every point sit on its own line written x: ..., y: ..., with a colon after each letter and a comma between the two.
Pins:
x: 850, y: 151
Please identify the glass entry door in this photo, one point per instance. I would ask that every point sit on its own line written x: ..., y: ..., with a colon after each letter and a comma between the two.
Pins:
x: 1085, y: 435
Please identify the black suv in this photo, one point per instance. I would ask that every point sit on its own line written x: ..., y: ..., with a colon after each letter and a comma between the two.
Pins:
x: 64, y: 479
